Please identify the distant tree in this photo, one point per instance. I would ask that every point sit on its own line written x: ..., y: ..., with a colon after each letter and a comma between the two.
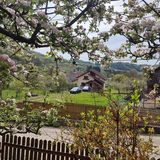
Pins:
x: 139, y: 24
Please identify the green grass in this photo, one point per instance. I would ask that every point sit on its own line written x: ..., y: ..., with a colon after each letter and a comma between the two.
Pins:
x: 88, y: 98
x: 80, y: 98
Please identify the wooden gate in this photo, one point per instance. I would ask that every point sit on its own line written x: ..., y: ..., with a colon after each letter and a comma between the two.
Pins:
x: 23, y: 148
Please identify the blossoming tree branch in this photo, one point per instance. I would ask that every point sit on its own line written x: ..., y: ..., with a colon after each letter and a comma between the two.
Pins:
x: 55, y: 24
x: 139, y: 23
x: 73, y: 26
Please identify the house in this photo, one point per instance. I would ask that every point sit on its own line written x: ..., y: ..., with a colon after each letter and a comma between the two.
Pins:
x: 154, y: 79
x: 91, y: 78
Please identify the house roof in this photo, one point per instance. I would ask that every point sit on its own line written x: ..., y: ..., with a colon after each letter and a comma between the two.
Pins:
x: 73, y: 75
x: 92, y: 71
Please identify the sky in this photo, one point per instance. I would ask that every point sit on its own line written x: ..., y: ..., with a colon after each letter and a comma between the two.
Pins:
x: 113, y: 43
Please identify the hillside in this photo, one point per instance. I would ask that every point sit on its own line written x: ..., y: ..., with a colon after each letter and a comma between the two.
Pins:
x: 122, y: 67
x: 66, y: 66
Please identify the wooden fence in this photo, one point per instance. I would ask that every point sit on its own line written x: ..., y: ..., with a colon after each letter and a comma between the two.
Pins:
x: 74, y: 110
x: 71, y: 109
x: 23, y: 148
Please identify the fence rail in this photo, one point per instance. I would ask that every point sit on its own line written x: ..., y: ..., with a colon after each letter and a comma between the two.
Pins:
x: 25, y: 148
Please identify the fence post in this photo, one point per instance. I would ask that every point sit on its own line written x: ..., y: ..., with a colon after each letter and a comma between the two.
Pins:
x: 2, y: 150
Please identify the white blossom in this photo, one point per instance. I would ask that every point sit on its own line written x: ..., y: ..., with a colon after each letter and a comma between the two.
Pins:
x: 54, y: 29
x: 42, y: 14
x: 101, y: 45
x: 20, y: 21
x: 11, y: 62
x: 11, y: 11
x: 156, y: 27
x: 13, y: 68
x: 25, y: 72
x: 34, y: 22
x: 4, y: 57
x: 2, y: 103
x: 29, y: 94
x: 15, y: 74
x: 25, y: 3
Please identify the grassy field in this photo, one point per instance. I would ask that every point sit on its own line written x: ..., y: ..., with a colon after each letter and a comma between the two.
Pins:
x: 81, y: 98
x: 89, y: 98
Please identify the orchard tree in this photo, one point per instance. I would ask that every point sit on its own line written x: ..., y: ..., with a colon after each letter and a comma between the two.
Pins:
x: 64, y: 26
x: 73, y: 27
x: 68, y: 26
x: 139, y: 23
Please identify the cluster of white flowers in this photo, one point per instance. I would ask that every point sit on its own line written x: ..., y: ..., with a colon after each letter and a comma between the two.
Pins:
x: 147, y: 23
x: 25, y: 73
x: 78, y: 40
x: 42, y: 19
x: 34, y: 22
x: 3, y: 103
x: 11, y: 11
x: 67, y: 29
x: 25, y: 3
x: 20, y: 21
x: 54, y: 29
x: 29, y: 94
x: 41, y: 13
x: 101, y: 45
x: 9, y: 61
x: 156, y: 27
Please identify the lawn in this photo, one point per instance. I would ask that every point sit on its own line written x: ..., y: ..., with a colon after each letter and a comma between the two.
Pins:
x: 66, y: 97
x: 89, y: 98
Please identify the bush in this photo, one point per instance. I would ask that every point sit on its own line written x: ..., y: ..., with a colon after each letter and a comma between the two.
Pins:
x: 52, y: 117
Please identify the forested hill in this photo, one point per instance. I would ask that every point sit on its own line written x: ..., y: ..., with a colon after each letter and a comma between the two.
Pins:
x: 43, y: 61
x: 119, y: 66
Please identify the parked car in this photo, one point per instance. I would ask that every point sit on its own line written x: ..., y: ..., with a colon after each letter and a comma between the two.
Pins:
x: 86, y: 88
x: 75, y: 90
